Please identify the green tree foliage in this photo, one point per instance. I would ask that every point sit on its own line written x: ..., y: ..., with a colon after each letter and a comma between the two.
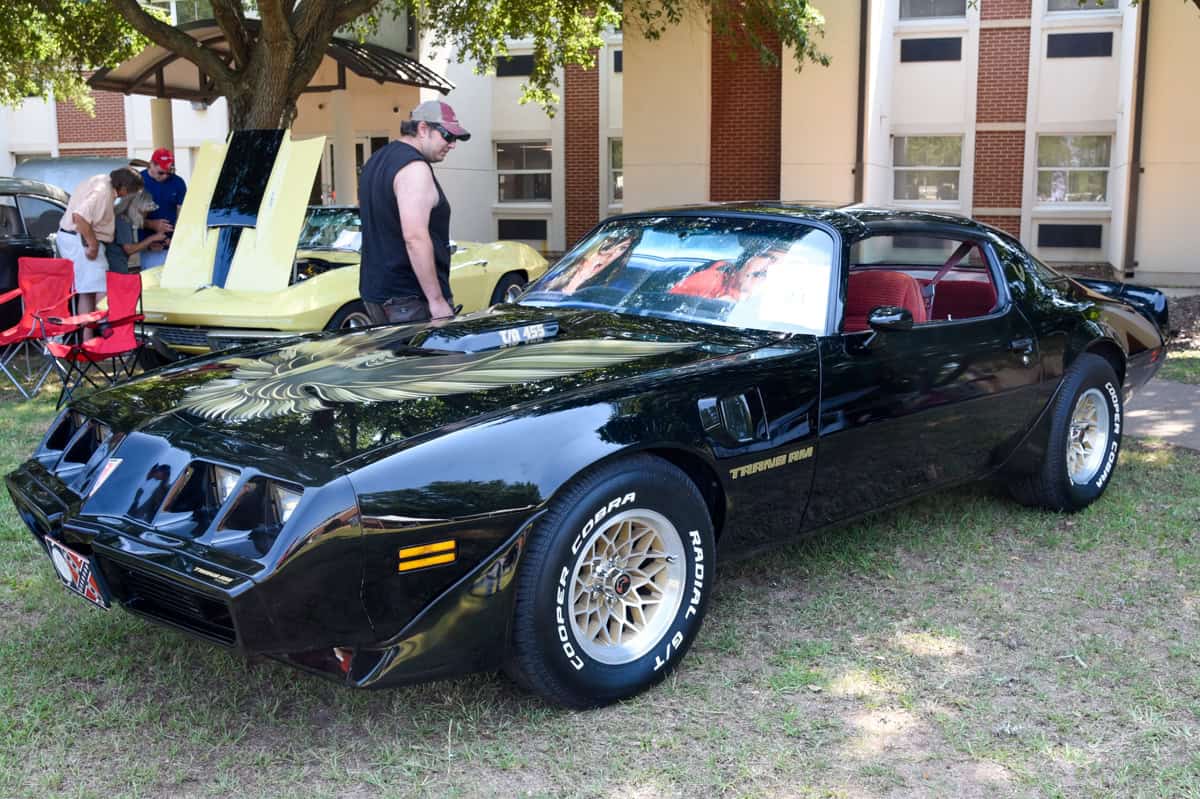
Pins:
x: 47, y: 44
x: 274, y: 57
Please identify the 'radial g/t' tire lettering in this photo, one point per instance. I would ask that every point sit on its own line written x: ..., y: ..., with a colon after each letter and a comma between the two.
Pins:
x: 614, y: 584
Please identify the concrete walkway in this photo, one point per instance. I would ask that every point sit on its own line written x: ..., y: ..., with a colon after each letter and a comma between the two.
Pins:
x: 1167, y: 410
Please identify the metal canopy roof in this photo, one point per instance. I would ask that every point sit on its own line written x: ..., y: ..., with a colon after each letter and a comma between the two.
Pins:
x: 158, y: 72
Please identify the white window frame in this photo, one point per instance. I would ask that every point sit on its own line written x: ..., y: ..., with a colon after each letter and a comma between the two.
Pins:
x: 1072, y: 204
x: 614, y: 171
x: 957, y: 203
x: 549, y: 172
x: 900, y: 14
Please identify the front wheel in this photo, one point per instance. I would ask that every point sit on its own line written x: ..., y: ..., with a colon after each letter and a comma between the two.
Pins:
x: 1084, y: 440
x: 508, y: 288
x: 614, y: 584
x: 350, y: 316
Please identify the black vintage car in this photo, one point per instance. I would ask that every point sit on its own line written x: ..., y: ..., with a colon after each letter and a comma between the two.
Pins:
x: 546, y: 486
x: 29, y: 216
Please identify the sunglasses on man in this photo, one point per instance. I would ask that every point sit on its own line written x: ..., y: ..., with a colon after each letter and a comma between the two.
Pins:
x: 447, y: 135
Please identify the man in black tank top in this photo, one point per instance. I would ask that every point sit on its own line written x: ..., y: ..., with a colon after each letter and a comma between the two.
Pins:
x: 405, y: 272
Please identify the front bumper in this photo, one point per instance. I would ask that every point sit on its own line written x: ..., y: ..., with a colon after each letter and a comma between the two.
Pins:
x: 292, y: 613
x: 158, y: 582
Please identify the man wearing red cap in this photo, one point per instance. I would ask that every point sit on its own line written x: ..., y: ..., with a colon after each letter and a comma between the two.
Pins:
x: 405, y: 269
x: 167, y: 190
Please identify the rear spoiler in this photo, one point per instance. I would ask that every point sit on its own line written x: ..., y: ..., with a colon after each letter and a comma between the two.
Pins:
x: 1150, y: 303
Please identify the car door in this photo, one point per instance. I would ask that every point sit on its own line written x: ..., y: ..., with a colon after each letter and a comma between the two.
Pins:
x: 904, y: 411
x: 18, y: 239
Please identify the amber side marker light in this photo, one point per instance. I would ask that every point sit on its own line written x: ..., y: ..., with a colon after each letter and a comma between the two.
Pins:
x: 425, y: 555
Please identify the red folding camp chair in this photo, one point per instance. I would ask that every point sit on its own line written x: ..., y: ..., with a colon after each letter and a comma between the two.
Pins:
x: 44, y: 291
x: 113, y: 351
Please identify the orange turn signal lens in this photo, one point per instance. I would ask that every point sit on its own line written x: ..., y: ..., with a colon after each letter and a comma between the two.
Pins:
x: 420, y: 557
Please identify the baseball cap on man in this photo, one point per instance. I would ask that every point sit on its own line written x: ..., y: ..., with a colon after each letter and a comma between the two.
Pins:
x: 162, y: 158
x: 442, y: 114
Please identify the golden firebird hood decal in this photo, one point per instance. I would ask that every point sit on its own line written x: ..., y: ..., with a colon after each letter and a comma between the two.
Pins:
x: 354, y: 368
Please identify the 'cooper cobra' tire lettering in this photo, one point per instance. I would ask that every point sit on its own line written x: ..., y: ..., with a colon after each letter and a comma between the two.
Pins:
x: 612, y: 589
x: 1083, y: 441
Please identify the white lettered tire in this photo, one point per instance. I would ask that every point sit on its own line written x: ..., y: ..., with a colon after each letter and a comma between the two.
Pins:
x: 613, y: 585
x: 1084, y: 441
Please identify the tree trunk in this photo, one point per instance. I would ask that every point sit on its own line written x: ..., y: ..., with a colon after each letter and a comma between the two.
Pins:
x: 262, y: 99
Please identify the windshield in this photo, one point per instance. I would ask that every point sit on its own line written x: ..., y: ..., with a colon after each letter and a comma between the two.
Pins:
x: 732, y: 272
x: 328, y: 228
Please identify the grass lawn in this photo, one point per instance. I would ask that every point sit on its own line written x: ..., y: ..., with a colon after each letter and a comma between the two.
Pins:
x: 961, y: 646
x: 1183, y: 366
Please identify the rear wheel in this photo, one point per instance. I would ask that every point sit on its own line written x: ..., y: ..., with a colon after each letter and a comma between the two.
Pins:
x: 350, y: 316
x: 614, y: 584
x: 508, y: 288
x: 1084, y: 441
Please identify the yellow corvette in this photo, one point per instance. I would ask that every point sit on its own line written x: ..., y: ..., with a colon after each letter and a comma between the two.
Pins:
x: 249, y: 259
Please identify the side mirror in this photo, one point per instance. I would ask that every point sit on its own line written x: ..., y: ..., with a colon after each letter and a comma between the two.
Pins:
x: 890, y: 318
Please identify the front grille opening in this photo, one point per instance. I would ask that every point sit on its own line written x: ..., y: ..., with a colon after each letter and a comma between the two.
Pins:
x: 176, y: 604
x: 84, y: 447
x: 194, y: 496
x: 251, y: 525
x: 60, y: 436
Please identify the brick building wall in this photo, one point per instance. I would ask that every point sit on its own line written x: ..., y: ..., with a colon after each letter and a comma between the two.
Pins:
x: 1006, y: 9
x: 1002, y: 99
x: 746, y: 117
x: 581, y: 131
x: 999, y: 162
x: 104, y: 134
x: 1003, y: 74
x: 1009, y: 224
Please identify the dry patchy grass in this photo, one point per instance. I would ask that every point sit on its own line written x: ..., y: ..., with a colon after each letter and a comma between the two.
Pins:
x: 959, y: 646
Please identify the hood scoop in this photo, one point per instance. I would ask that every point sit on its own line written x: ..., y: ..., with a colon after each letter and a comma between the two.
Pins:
x: 469, y: 340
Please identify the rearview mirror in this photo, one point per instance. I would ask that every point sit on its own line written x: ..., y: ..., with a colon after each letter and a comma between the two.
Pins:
x: 890, y: 317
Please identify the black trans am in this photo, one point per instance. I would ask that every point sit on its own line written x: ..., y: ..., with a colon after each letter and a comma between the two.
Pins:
x: 545, y: 487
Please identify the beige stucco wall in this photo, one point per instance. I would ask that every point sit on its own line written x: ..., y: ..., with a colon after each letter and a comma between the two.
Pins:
x: 1075, y: 90
x: 1168, y: 227
x: 819, y: 115
x: 371, y: 105
x: 666, y: 116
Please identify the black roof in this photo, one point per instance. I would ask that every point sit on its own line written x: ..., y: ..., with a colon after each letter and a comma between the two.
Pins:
x: 35, y: 187
x: 852, y: 221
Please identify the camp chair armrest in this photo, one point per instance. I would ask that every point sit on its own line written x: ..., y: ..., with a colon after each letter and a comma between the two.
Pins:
x: 124, y: 320
x: 11, y: 295
x: 81, y: 320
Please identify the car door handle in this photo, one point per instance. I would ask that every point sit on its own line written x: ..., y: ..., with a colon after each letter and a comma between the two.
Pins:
x: 1021, y: 345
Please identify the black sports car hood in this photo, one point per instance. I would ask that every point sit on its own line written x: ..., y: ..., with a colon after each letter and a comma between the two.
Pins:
x: 329, y: 398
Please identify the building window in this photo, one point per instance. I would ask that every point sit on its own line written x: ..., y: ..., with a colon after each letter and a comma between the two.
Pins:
x: 522, y: 229
x: 926, y: 168
x: 1073, y: 169
x: 616, y: 171
x: 514, y: 66
x: 942, y: 49
x: 1079, y: 45
x: 1082, y: 5
x: 618, y: 60
x: 1085, y: 237
x: 924, y: 9
x: 523, y: 171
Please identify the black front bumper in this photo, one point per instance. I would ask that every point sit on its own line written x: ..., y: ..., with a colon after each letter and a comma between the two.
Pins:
x: 158, y: 582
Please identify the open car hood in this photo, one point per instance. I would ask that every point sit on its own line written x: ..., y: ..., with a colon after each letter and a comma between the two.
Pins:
x: 241, y: 219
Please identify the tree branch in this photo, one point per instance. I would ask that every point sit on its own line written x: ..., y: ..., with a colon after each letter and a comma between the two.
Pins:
x: 350, y: 10
x: 232, y: 21
x: 276, y: 27
x: 178, y: 42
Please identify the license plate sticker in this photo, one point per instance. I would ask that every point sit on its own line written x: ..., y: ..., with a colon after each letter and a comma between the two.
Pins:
x: 77, y: 573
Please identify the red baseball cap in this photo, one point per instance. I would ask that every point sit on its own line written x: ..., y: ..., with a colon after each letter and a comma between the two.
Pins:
x: 441, y: 113
x: 163, y: 159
